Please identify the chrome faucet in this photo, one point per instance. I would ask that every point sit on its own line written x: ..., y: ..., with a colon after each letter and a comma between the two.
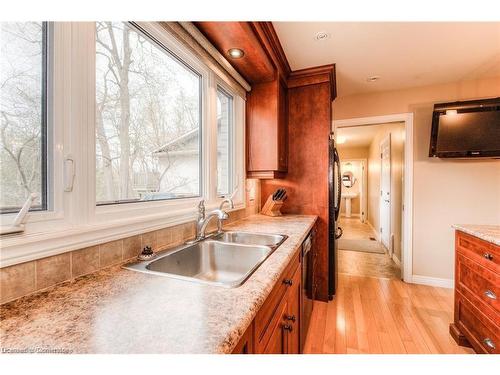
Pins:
x: 228, y: 201
x: 203, y: 220
x: 220, y: 215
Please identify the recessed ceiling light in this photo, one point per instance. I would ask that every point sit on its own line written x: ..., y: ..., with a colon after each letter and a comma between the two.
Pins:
x: 451, y: 112
x: 322, y: 35
x: 373, y: 78
x: 236, y: 53
x: 341, y: 139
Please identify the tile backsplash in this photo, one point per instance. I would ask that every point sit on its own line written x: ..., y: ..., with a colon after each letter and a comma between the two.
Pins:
x: 25, y: 278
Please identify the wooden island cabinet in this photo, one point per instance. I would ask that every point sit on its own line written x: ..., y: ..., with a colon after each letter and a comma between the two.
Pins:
x: 477, y: 287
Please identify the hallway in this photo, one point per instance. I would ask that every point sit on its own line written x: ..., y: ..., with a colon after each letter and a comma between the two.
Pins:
x: 374, y: 315
x: 364, y: 263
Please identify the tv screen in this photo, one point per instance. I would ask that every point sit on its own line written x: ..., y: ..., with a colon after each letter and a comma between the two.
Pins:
x: 466, y: 129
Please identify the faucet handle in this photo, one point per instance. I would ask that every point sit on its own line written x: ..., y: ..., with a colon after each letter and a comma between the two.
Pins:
x: 201, y: 209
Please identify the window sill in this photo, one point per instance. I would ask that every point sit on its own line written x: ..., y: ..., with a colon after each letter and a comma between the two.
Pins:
x: 22, y: 248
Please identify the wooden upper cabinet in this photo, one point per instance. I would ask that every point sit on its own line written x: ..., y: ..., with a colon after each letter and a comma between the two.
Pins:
x: 265, y: 67
x: 267, y: 130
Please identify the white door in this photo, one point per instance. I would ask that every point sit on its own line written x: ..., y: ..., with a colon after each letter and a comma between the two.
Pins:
x: 385, y: 192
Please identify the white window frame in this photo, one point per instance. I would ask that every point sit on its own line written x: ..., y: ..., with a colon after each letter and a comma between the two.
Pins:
x: 75, y: 220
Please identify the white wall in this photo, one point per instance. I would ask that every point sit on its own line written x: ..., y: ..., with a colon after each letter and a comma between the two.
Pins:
x: 445, y: 191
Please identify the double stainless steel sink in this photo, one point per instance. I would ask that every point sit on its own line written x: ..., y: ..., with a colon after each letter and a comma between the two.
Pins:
x: 226, y: 259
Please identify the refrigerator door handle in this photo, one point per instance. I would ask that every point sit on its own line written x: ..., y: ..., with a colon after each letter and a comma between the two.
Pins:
x: 336, y: 159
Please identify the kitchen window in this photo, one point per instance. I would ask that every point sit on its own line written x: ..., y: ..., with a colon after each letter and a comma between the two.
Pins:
x: 137, y: 129
x: 148, y: 119
x: 24, y: 127
x: 224, y: 142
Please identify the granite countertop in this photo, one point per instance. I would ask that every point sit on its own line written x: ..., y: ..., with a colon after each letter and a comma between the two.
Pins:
x: 490, y: 233
x: 121, y: 311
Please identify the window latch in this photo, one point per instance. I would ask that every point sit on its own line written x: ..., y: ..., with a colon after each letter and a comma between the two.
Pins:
x: 69, y: 173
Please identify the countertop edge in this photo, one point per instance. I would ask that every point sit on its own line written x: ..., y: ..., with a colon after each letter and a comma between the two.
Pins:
x: 488, y: 233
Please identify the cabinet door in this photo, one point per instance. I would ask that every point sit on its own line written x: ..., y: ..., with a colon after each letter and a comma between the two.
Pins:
x: 245, y: 345
x: 292, y: 318
x: 282, y: 128
x: 277, y: 343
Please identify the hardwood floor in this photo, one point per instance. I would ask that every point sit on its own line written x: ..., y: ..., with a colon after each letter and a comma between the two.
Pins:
x: 376, y: 315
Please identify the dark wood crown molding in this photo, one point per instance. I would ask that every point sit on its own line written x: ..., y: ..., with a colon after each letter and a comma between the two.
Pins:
x: 267, y: 35
x: 313, y: 76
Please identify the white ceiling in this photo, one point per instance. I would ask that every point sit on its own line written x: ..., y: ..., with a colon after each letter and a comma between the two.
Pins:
x: 357, y: 136
x: 403, y: 54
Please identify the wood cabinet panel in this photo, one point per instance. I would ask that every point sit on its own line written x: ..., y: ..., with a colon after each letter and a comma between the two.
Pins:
x: 485, y: 253
x: 293, y: 314
x: 277, y: 343
x: 477, y: 284
x: 276, y: 328
x: 481, y: 332
x: 267, y: 135
x: 266, y: 314
x: 306, y: 182
x: 255, y: 66
x: 246, y: 344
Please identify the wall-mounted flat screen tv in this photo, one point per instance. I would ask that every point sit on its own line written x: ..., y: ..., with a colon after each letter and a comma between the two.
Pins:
x: 469, y: 129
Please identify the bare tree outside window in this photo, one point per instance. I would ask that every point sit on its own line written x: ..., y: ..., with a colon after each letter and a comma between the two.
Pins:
x: 148, y: 119
x: 22, y: 114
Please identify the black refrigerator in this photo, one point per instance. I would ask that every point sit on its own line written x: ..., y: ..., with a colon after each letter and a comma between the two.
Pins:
x: 334, y: 231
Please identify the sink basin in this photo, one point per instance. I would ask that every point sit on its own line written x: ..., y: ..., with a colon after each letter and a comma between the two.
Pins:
x: 348, y: 196
x: 208, y: 261
x: 273, y: 240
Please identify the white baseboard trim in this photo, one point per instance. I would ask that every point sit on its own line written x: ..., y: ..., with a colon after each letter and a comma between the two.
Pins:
x: 433, y: 281
x: 396, y: 260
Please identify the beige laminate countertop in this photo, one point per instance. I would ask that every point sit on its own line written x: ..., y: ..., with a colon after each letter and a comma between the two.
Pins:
x: 489, y: 233
x: 121, y: 311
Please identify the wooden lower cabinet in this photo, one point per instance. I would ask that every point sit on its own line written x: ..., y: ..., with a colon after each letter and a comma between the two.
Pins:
x: 276, y: 327
x: 245, y: 345
x: 277, y: 343
x: 477, y: 287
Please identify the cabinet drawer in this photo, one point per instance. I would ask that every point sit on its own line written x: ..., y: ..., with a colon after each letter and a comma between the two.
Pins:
x: 480, y: 285
x: 481, y: 332
x: 267, y: 313
x: 485, y: 253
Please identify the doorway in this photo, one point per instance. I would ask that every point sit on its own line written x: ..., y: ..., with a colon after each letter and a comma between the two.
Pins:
x: 385, y: 193
x: 379, y: 245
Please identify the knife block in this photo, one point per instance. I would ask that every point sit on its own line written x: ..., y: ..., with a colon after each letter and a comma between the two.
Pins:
x: 272, y: 207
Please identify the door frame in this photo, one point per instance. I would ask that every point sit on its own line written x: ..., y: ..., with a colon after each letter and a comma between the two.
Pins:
x: 389, y: 246
x: 407, y: 118
x: 364, y: 186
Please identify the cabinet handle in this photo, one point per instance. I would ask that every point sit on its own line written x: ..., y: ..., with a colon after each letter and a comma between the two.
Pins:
x: 488, y: 256
x: 490, y: 294
x: 288, y: 282
x: 489, y: 343
x: 291, y: 317
x: 288, y: 327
